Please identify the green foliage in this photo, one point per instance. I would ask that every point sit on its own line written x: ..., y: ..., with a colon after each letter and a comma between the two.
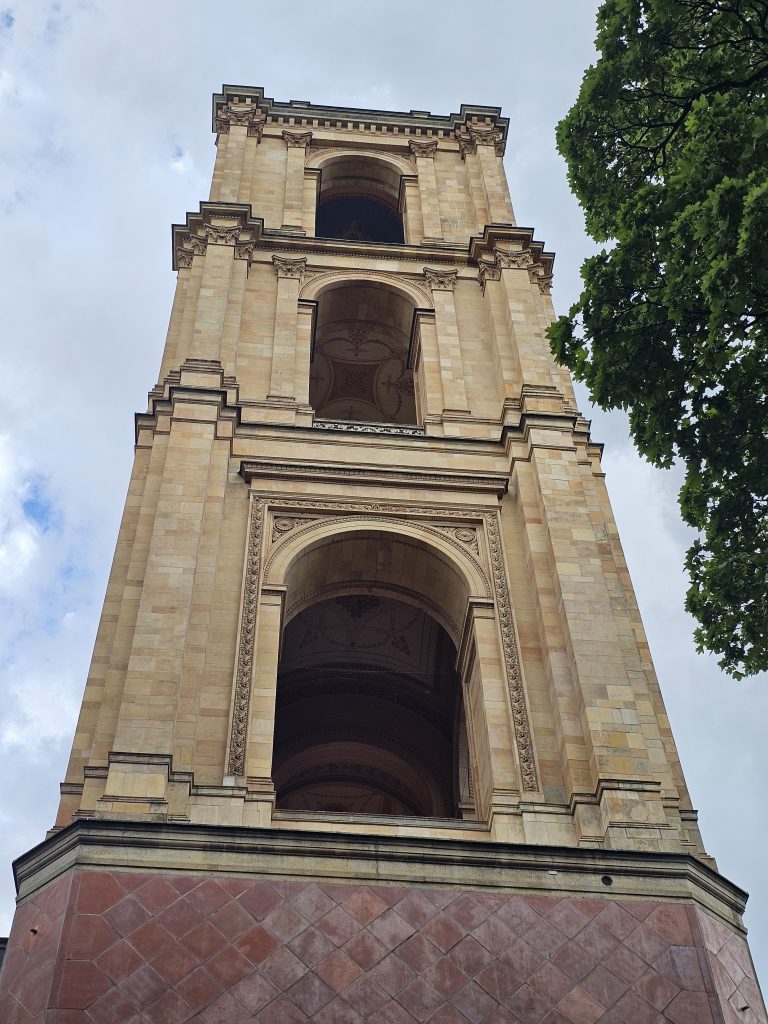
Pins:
x: 667, y: 151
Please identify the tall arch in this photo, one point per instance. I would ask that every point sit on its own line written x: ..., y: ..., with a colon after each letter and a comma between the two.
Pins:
x: 368, y: 702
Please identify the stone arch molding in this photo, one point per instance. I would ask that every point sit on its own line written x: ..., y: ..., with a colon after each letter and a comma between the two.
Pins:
x: 316, y: 282
x: 317, y: 159
x: 375, y: 518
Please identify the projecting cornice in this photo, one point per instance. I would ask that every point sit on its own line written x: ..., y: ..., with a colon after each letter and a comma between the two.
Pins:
x: 502, y: 246
x: 477, y: 124
x: 216, y: 224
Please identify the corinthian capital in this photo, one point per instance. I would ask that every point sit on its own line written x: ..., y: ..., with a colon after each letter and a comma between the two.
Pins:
x: 441, y: 280
x: 518, y: 259
x: 290, y: 268
x: 249, y: 116
x: 297, y: 140
x: 471, y: 136
x: 426, y: 148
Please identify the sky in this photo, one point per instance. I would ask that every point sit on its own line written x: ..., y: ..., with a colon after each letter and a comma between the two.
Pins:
x: 105, y: 142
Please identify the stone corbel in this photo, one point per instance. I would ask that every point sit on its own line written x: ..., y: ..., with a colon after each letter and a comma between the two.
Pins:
x: 251, y: 117
x: 425, y: 148
x: 441, y: 280
x: 297, y: 140
x: 287, y: 268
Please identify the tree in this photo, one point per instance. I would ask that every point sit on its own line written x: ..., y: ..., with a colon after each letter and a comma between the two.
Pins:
x: 667, y: 151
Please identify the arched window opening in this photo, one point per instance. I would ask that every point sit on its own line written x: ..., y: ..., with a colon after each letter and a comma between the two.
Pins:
x: 369, y: 717
x: 366, y: 705
x: 358, y: 201
x: 359, y: 368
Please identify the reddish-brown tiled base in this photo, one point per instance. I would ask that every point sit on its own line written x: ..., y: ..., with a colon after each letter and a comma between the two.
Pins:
x: 100, y: 947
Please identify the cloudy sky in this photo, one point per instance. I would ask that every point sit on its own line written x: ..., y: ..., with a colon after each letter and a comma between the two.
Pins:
x: 104, y: 142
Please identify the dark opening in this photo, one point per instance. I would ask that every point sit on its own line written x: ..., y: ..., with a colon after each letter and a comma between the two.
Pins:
x: 358, y: 218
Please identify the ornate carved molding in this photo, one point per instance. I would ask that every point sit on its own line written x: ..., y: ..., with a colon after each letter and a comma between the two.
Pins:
x: 521, y: 724
x: 246, y: 642
x: 249, y: 116
x: 368, y: 428
x: 440, y: 280
x: 426, y: 149
x: 466, y: 535
x: 297, y: 140
x: 290, y: 268
x: 415, y: 291
x: 538, y: 275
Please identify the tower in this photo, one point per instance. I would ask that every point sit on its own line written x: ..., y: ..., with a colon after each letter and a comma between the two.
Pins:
x: 371, y: 730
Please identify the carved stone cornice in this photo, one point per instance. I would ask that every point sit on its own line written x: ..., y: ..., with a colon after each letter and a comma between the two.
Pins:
x: 424, y: 148
x: 287, y: 268
x: 297, y: 140
x: 440, y: 280
x: 249, y: 116
x: 216, y: 224
x: 519, y: 252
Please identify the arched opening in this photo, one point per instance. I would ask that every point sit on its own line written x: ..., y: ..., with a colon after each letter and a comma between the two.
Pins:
x: 369, y: 716
x: 358, y: 201
x: 359, y: 369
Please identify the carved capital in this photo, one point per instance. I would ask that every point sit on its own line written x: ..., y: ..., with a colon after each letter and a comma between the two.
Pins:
x: 517, y: 259
x: 216, y: 234
x: 488, y: 271
x: 297, y: 140
x: 539, y: 276
x: 184, y: 258
x: 441, y: 280
x: 290, y: 268
x: 244, y: 250
x: 423, y: 149
x: 249, y: 116
x: 471, y: 136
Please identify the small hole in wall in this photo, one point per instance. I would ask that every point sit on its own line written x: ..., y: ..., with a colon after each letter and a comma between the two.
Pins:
x: 606, y: 880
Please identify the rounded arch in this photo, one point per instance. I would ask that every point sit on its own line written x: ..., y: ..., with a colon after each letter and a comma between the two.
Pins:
x: 315, y: 284
x: 323, y: 158
x: 377, y: 553
x: 359, y: 198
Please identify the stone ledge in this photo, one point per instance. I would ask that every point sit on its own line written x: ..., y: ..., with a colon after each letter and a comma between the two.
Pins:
x: 366, y: 859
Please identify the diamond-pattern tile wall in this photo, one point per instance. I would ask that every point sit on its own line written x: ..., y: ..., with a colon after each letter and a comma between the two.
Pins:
x: 99, y: 947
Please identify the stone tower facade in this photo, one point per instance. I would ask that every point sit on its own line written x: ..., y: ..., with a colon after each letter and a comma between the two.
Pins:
x: 371, y: 731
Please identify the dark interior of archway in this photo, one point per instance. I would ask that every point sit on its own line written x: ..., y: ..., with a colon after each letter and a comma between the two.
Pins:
x: 359, y: 369
x: 366, y: 710
x: 358, y: 218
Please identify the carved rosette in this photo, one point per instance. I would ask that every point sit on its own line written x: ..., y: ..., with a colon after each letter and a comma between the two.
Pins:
x: 521, y: 724
x: 297, y: 140
x: 246, y: 643
x: 251, y: 117
x: 287, y: 268
x: 426, y: 149
x: 440, y: 280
